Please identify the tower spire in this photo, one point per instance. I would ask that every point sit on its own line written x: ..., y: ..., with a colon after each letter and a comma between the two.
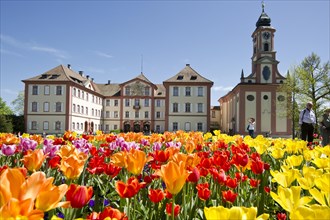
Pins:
x: 263, y: 6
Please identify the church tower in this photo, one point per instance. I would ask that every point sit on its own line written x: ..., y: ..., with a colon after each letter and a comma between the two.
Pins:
x: 257, y: 95
x: 264, y: 63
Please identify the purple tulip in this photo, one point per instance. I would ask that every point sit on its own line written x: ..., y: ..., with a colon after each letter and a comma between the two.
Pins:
x: 8, y: 150
x: 49, y: 148
x: 156, y: 146
x: 27, y: 144
x: 82, y: 145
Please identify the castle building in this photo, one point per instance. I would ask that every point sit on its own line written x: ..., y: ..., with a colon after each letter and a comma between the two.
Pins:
x: 257, y: 95
x: 62, y: 99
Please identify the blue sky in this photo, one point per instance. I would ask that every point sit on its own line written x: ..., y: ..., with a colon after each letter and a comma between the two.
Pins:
x: 107, y: 39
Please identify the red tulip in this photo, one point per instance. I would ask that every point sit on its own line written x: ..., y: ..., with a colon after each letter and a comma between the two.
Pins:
x: 257, y: 166
x: 232, y: 183
x: 169, y: 209
x: 79, y: 196
x: 281, y: 216
x: 203, y: 191
x: 54, y: 162
x: 254, y: 183
x: 194, y: 175
x: 156, y: 195
x: 229, y: 196
x: 168, y: 195
x: 267, y: 189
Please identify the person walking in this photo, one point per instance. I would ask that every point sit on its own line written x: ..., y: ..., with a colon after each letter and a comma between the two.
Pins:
x: 251, y: 126
x: 325, y: 127
x: 307, y: 122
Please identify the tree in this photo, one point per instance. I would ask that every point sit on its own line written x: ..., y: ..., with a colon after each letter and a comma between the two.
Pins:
x: 18, y: 103
x: 5, y: 121
x: 309, y: 81
x: 4, y: 109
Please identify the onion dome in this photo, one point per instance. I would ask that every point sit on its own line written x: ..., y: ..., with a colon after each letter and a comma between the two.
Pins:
x: 264, y: 19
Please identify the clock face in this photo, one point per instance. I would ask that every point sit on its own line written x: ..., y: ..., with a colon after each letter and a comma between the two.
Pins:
x: 266, y: 35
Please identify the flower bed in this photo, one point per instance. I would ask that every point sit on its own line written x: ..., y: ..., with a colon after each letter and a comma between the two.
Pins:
x: 177, y: 175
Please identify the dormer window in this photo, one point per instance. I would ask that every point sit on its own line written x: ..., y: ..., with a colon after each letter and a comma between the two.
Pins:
x: 128, y: 90
x: 180, y: 77
x: 193, y: 77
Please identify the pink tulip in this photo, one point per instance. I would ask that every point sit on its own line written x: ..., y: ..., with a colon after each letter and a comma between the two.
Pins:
x: 8, y: 150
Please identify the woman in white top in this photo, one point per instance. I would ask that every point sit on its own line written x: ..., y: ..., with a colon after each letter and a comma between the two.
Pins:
x: 251, y: 126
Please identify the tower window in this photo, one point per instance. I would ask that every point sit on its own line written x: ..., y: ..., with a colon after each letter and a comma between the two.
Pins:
x: 266, y: 47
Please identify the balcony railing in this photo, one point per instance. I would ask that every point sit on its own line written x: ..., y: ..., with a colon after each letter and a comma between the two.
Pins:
x: 136, y: 107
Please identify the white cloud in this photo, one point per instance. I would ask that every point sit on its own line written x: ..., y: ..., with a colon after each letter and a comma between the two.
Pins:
x: 32, y: 46
x: 50, y: 50
x: 102, y: 54
x: 222, y: 89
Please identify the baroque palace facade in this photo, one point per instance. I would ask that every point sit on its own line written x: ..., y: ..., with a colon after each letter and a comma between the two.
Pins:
x: 62, y: 99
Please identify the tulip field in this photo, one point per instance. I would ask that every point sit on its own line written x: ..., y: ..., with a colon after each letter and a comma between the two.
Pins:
x: 175, y: 175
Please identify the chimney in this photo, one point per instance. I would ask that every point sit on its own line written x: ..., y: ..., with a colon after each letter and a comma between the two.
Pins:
x: 87, y: 76
x: 69, y: 66
x: 109, y: 81
x: 92, y: 79
x: 81, y: 73
x: 187, y: 64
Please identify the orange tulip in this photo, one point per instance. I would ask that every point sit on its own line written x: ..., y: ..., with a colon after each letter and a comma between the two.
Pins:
x: 190, y: 146
x: 119, y: 159
x: 79, y: 196
x: 174, y: 175
x: 73, y: 165
x: 29, y: 197
x: 33, y: 159
x: 8, y: 138
x: 130, y: 189
x: 133, y: 161
x: 136, y: 159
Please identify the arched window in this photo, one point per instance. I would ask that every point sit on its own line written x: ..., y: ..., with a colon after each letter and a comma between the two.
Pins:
x: 266, y: 47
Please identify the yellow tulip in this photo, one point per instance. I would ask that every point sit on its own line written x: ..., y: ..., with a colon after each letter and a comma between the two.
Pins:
x: 323, y: 183
x: 326, y: 150
x: 174, y: 175
x: 277, y: 153
x: 294, y: 160
x: 303, y: 213
x: 322, y: 162
x: 319, y: 196
x: 33, y: 159
x: 323, y: 211
x: 289, y: 198
x: 309, y: 175
x: 235, y: 212
x: 285, y: 178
